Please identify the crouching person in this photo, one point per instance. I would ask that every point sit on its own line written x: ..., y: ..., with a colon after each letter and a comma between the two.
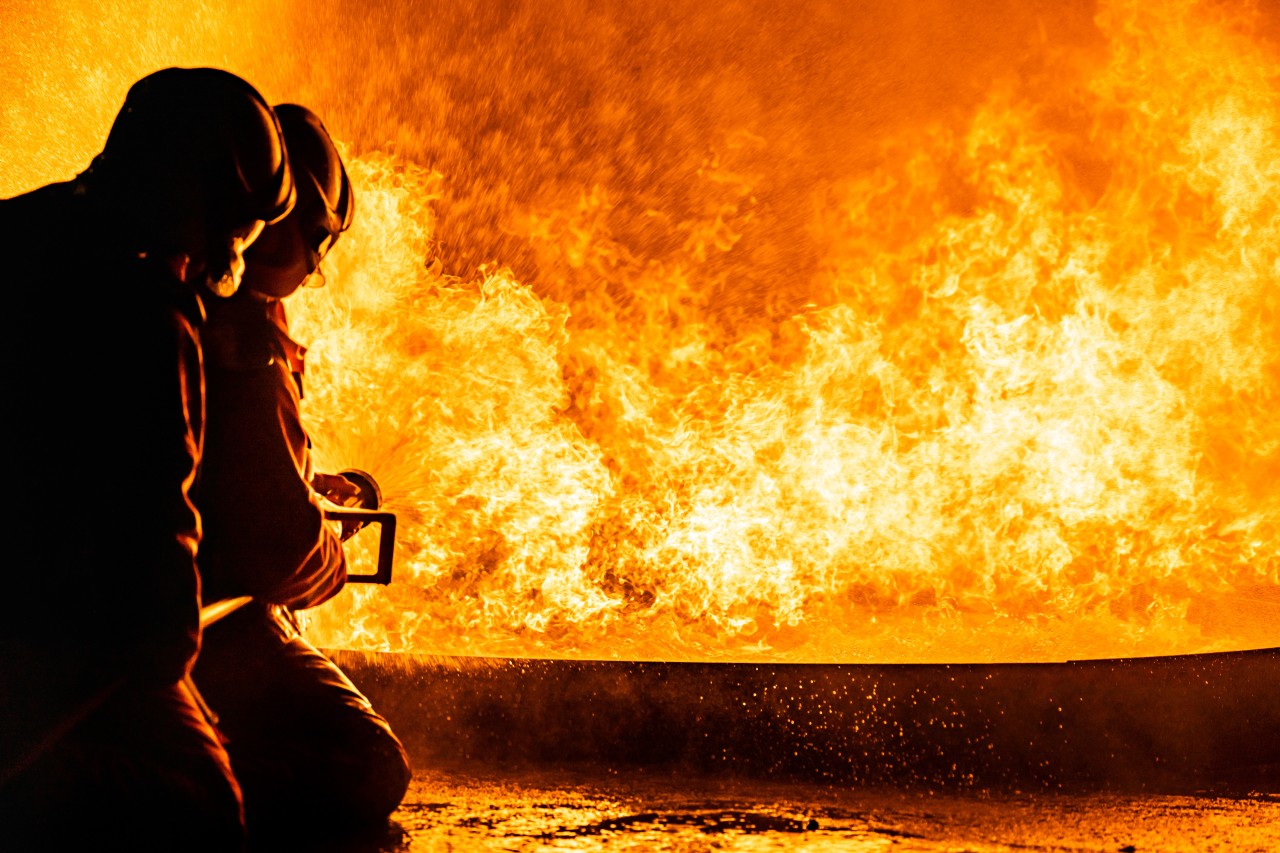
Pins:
x: 101, y: 742
x: 307, y: 747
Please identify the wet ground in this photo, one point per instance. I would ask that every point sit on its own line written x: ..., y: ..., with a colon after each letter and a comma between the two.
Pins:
x: 539, y: 755
x: 606, y: 812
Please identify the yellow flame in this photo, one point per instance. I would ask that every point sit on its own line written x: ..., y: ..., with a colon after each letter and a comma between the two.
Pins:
x: 697, y: 355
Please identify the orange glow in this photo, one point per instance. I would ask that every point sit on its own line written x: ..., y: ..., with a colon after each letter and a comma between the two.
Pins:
x: 770, y: 333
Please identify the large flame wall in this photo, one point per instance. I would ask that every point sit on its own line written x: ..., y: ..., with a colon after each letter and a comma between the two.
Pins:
x: 771, y: 330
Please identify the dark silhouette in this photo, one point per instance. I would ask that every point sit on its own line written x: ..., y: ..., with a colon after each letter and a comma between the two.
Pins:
x: 306, y: 745
x: 101, y: 739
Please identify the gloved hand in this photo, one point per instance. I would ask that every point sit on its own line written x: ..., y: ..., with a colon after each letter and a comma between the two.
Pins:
x: 337, y: 489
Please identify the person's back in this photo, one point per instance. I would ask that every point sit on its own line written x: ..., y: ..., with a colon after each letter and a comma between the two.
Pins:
x: 101, y: 622
x: 102, y: 379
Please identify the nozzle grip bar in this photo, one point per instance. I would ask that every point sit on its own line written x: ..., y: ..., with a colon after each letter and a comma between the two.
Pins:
x: 386, y: 522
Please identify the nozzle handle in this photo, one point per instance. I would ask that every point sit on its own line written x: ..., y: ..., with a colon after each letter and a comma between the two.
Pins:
x: 386, y: 522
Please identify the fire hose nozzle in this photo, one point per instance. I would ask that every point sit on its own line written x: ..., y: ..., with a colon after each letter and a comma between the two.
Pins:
x: 370, y: 494
x: 367, y: 510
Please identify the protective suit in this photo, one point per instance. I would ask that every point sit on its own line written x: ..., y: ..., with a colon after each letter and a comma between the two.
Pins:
x: 264, y: 531
x: 99, y: 736
x: 307, y: 747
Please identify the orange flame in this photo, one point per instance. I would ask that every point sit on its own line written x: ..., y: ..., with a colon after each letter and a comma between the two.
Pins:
x: 705, y: 353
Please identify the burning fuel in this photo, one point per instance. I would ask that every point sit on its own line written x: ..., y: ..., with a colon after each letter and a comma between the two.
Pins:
x: 784, y: 331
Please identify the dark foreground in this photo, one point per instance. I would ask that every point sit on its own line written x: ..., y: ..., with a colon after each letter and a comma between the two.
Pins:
x: 601, y: 811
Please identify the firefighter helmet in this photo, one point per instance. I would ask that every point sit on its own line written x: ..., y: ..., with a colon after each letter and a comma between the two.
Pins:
x: 208, y: 132
x: 289, y: 253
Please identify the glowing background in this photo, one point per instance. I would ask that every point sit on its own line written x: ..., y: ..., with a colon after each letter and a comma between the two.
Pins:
x: 770, y: 330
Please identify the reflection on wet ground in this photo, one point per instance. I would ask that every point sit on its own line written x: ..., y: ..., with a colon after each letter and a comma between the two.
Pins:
x: 607, y: 811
